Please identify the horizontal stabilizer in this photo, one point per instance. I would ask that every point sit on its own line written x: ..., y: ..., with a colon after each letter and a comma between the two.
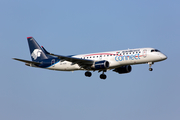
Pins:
x: 26, y: 61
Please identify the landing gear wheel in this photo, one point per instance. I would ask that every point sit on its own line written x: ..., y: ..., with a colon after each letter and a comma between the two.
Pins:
x: 150, y: 64
x: 103, y: 76
x: 88, y: 74
x: 150, y: 69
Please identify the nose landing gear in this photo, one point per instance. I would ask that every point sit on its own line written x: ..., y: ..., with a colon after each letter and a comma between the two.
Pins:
x: 150, y: 64
x: 150, y: 69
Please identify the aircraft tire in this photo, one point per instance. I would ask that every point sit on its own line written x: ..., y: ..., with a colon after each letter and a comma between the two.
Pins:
x: 88, y: 74
x: 103, y: 76
x: 150, y: 69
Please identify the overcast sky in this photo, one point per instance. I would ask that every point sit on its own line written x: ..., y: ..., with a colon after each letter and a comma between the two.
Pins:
x: 86, y: 26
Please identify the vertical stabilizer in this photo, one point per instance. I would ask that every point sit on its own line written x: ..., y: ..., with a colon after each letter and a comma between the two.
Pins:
x: 36, y: 52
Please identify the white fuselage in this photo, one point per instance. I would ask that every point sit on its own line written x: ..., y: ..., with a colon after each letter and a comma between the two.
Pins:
x: 115, y: 58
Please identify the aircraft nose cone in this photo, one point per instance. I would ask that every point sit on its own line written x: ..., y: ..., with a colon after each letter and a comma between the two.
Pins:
x: 163, y: 57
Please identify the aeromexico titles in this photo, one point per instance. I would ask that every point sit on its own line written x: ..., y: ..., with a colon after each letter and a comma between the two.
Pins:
x: 119, y: 61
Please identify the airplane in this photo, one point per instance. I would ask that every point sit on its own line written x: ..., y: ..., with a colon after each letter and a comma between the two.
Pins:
x: 119, y: 61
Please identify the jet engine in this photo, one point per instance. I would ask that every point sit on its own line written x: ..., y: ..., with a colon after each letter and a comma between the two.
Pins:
x: 100, y: 65
x: 123, y: 69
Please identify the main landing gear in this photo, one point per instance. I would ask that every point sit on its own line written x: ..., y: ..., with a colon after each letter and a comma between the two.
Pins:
x: 150, y: 64
x: 103, y: 76
x: 89, y: 74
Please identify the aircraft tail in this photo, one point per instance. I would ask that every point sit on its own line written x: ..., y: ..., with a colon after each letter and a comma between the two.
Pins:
x: 36, y: 52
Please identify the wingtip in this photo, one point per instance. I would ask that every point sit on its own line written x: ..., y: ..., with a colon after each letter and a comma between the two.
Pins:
x: 14, y: 58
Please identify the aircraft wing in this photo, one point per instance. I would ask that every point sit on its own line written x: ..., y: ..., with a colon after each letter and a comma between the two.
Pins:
x: 73, y: 59
x: 26, y: 61
x: 82, y: 62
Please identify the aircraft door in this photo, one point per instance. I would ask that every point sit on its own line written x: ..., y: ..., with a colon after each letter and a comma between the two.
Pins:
x: 144, y: 53
x: 52, y: 62
x: 100, y: 57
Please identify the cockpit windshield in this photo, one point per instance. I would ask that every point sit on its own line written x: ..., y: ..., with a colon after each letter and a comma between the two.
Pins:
x: 155, y: 50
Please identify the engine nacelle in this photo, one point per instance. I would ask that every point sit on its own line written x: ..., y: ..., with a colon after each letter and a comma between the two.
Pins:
x: 100, y: 65
x: 123, y: 69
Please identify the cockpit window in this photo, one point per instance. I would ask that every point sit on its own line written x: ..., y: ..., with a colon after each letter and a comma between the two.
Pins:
x: 155, y: 50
